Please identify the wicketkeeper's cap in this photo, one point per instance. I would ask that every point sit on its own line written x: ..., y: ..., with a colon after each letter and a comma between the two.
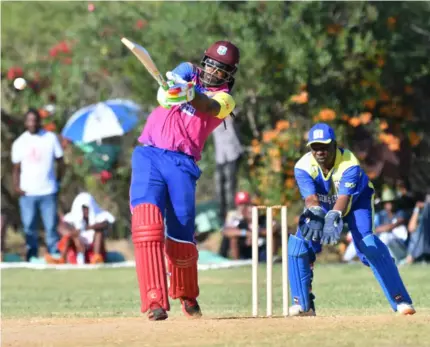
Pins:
x: 321, y: 133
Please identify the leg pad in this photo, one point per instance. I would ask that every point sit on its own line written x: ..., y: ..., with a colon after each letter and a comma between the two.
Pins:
x: 182, y: 262
x: 148, y: 239
x: 300, y: 272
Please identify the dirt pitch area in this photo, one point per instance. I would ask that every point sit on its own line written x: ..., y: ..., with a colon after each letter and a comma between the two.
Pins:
x: 383, y: 330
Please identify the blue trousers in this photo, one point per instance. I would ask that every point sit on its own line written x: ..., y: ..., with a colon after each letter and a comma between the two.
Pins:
x: 30, y: 206
x: 168, y: 180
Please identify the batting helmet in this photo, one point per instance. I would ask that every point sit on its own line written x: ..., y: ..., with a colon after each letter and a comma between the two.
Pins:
x: 221, y: 56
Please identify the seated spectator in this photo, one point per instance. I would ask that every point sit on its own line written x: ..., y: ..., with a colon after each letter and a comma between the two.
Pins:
x: 83, y: 233
x: 419, y: 229
x: 237, y: 230
x: 390, y: 226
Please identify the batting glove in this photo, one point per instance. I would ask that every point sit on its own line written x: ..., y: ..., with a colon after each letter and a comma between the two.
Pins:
x: 180, y: 91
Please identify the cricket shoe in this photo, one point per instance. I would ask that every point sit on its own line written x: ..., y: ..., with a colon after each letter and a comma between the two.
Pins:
x: 156, y: 312
x: 297, y: 311
x: 191, y: 308
x: 406, y: 309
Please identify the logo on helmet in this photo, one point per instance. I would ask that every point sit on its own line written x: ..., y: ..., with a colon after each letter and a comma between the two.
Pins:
x: 222, y: 50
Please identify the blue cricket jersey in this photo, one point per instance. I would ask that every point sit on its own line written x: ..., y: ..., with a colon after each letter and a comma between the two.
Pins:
x: 345, y: 178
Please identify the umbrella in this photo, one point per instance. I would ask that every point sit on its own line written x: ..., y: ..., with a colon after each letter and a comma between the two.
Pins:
x: 102, y: 120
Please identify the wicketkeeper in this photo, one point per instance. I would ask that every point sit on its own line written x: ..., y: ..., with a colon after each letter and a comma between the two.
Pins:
x: 165, y: 173
x: 336, y: 190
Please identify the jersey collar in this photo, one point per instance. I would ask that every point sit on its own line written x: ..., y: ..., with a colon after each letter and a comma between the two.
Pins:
x: 337, y: 161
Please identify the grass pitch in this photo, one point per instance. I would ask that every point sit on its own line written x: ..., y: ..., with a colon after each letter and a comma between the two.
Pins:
x: 101, y: 308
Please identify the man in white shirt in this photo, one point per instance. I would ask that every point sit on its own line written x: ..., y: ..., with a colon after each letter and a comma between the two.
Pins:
x: 34, y: 154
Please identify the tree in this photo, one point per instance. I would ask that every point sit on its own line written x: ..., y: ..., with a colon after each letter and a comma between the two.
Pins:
x: 361, y: 66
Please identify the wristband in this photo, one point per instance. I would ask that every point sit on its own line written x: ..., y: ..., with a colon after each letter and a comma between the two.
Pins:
x: 243, y: 232
x: 416, y: 210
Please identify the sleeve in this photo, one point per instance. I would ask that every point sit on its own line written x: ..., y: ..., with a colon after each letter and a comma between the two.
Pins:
x: 401, y: 214
x: 68, y: 218
x: 377, y: 220
x: 105, y: 217
x: 58, y: 150
x: 226, y: 102
x: 16, y: 154
x: 185, y: 70
x: 305, y: 182
x: 349, y: 182
x: 231, y: 220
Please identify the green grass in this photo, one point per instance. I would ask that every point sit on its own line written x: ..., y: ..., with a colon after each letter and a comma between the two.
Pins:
x: 345, y: 293
x: 113, y: 292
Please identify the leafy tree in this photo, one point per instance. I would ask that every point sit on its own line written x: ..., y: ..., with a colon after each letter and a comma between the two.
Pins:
x: 361, y: 66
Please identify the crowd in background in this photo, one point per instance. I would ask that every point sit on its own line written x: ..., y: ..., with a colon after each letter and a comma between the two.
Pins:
x: 402, y: 218
x: 401, y: 221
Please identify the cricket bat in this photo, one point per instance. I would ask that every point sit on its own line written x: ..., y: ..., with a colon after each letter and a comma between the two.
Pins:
x: 144, y: 57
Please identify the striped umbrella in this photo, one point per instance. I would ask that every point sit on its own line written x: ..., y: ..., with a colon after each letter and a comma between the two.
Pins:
x: 102, y: 120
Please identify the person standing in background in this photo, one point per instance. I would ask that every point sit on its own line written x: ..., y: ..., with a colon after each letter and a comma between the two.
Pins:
x: 34, y: 155
x: 228, y: 151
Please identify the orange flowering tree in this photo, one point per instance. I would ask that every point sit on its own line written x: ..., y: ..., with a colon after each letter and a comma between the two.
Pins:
x: 272, y: 161
x: 356, y: 66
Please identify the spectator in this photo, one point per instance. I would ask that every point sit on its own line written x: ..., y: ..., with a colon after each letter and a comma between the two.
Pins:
x: 390, y: 226
x: 237, y: 231
x: 34, y: 154
x: 419, y: 229
x: 228, y: 151
x: 83, y: 232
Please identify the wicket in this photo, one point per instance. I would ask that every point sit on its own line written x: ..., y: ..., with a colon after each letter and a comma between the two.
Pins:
x: 269, y: 260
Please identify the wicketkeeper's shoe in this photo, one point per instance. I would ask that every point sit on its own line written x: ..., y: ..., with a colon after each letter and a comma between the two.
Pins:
x: 191, y: 308
x: 406, y: 309
x: 297, y: 311
x: 156, y: 312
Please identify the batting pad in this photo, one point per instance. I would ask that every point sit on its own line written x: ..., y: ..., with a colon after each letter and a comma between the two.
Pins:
x: 385, y: 270
x: 148, y: 239
x: 182, y: 262
x: 300, y: 273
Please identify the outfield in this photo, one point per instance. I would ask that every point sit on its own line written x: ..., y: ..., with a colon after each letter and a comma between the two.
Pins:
x: 101, y: 308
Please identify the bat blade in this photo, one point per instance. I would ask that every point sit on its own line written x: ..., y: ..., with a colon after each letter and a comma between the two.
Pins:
x: 144, y: 57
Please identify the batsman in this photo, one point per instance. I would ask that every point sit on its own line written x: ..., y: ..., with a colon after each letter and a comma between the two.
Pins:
x: 165, y: 173
x: 335, y: 190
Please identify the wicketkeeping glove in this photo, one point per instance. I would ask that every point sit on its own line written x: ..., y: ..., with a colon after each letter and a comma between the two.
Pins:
x: 311, y: 223
x: 333, y: 226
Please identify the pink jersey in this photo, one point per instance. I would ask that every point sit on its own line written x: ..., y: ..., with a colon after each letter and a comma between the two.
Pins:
x: 182, y: 128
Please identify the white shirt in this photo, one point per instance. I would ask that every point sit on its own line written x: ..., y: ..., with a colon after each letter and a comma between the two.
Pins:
x: 37, y: 154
